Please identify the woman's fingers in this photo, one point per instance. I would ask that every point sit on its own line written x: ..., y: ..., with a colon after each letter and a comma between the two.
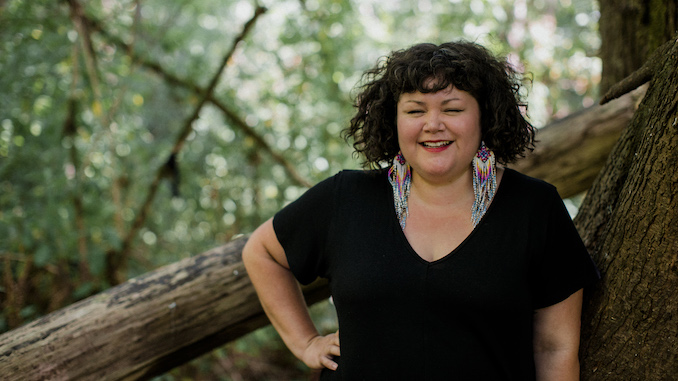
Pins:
x: 329, y: 363
x: 322, y: 350
x: 335, y: 348
x: 335, y: 351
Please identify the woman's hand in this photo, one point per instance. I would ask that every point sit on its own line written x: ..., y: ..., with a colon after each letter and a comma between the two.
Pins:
x: 321, y: 350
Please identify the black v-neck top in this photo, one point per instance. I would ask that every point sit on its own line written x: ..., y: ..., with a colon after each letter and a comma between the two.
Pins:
x: 466, y: 316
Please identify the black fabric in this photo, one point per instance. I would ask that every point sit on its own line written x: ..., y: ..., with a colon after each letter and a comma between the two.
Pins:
x: 467, y: 316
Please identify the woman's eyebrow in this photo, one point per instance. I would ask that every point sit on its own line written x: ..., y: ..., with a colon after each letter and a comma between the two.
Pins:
x: 445, y: 101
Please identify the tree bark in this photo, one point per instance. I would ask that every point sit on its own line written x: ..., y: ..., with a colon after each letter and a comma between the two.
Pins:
x: 629, y: 222
x: 635, y: 29
x: 143, y: 327
x: 570, y: 152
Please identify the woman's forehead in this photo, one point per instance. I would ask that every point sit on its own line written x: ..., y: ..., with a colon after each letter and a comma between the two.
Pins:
x: 449, y: 93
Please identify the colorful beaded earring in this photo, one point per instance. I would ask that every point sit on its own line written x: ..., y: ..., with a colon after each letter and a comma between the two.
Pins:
x: 400, y: 177
x: 484, y: 182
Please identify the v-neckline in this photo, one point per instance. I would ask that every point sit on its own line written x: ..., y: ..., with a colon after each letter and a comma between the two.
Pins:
x: 395, y: 223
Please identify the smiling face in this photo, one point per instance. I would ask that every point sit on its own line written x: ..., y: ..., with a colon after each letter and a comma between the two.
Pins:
x: 439, y: 133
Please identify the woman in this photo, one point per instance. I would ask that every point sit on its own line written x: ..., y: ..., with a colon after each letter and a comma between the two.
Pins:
x: 443, y: 265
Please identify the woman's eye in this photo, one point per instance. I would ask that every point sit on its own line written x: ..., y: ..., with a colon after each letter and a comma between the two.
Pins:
x: 415, y: 111
x: 454, y: 110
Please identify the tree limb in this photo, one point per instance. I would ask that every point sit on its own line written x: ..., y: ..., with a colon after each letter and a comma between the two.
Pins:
x: 208, y: 92
x: 230, y: 114
x: 640, y: 76
x: 79, y: 21
x: 115, y: 258
x: 70, y: 129
x: 259, y: 140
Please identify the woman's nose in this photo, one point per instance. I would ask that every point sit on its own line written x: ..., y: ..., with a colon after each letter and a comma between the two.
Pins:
x: 433, y: 122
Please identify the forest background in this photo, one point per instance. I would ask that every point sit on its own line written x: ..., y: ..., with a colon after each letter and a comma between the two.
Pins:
x: 114, y: 161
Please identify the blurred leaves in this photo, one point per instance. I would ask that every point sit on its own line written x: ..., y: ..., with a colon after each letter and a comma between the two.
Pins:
x: 96, y: 94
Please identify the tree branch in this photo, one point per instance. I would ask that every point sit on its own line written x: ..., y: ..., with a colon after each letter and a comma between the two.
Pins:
x: 208, y: 92
x: 114, y: 258
x: 84, y: 27
x: 235, y: 119
x: 230, y: 114
x: 638, y: 77
x: 70, y: 130
x: 79, y: 20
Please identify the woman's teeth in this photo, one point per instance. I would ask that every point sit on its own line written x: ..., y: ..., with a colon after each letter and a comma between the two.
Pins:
x: 436, y: 144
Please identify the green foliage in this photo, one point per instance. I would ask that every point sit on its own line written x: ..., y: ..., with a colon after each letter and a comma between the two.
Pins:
x: 91, y: 109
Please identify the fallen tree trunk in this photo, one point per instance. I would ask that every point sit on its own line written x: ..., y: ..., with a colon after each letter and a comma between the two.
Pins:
x: 570, y: 152
x: 143, y: 327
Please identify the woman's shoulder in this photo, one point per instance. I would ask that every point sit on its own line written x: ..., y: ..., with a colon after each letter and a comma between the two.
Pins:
x: 355, y: 185
x: 528, y: 185
x: 361, y: 177
x: 349, y: 180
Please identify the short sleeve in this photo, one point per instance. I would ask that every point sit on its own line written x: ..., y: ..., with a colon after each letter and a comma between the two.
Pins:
x: 302, y: 229
x: 564, y: 265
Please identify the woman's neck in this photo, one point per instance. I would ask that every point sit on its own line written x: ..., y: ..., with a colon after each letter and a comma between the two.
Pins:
x: 443, y: 193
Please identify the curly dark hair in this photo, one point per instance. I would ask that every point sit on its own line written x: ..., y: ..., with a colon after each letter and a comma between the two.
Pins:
x: 465, y: 65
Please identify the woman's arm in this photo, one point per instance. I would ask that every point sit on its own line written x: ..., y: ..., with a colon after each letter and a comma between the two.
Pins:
x: 283, y: 301
x: 556, y: 339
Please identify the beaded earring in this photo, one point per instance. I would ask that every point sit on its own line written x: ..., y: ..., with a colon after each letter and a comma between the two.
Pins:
x: 484, y: 182
x: 400, y: 177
